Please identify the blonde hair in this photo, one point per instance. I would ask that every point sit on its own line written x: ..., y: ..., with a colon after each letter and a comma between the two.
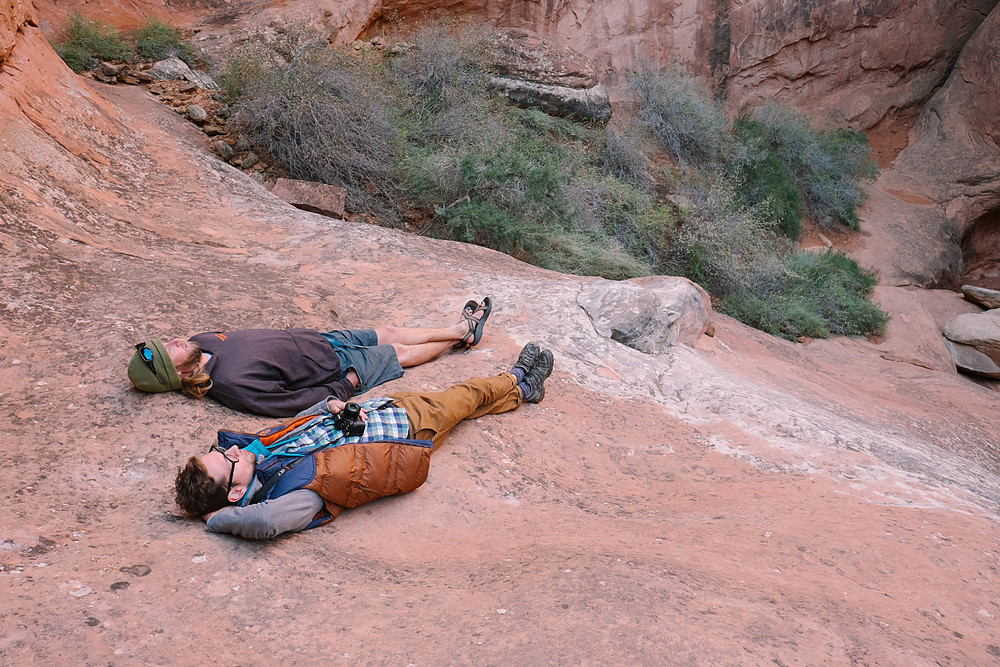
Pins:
x: 195, y: 382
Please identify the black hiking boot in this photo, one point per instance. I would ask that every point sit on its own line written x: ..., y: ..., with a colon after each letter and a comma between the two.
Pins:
x: 525, y: 360
x: 535, y: 379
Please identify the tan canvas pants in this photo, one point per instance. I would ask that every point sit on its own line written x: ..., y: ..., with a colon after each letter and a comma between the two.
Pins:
x: 433, y: 415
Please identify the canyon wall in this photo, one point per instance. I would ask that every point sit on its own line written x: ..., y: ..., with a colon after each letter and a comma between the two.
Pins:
x: 856, y: 62
x: 852, y: 61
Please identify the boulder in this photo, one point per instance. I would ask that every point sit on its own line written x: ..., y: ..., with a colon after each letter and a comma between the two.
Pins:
x: 971, y: 360
x: 175, y: 68
x: 536, y: 72
x: 196, y: 113
x: 586, y: 104
x: 310, y: 196
x: 978, y: 330
x: 224, y: 150
x: 987, y: 298
x: 522, y: 54
x: 170, y: 68
x: 111, y: 69
x: 649, y: 314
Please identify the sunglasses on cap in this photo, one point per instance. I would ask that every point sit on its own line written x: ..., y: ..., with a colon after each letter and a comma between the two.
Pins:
x: 146, y: 354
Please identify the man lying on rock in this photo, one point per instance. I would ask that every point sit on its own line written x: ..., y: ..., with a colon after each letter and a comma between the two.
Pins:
x: 279, y: 373
x: 301, y: 474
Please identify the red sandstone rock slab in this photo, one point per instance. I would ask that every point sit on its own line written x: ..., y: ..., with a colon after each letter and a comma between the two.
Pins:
x: 310, y: 196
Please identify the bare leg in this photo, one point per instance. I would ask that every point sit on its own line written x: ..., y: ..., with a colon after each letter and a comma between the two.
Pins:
x: 414, y: 355
x: 391, y: 335
x: 418, y: 345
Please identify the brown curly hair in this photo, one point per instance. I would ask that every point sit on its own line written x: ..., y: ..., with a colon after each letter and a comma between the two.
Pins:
x: 198, y: 493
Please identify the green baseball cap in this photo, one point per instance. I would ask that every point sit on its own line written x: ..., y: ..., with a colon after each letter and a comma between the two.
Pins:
x: 150, y: 368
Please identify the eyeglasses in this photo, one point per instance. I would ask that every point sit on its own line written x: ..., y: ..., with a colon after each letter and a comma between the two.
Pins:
x: 146, y: 355
x: 232, y: 470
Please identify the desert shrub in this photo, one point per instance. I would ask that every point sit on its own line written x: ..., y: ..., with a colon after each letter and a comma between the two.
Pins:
x: 680, y: 116
x: 323, y: 114
x: 814, y: 295
x: 445, y: 67
x: 156, y: 40
x: 826, y: 167
x: 764, y: 178
x: 84, y: 40
x: 589, y: 254
x: 422, y: 130
x: 627, y: 218
x: 621, y: 155
x: 722, y: 244
x: 504, y: 197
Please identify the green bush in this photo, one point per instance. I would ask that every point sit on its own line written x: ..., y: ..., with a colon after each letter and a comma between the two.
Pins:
x: 815, y: 295
x: 156, y: 40
x: 722, y: 244
x: 827, y: 167
x: 84, y: 40
x: 764, y: 178
x: 505, y: 198
x: 588, y: 254
x: 628, y: 219
x: 445, y: 68
x: 621, y: 155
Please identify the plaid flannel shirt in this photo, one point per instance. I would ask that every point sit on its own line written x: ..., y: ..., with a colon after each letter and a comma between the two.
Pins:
x: 385, y: 422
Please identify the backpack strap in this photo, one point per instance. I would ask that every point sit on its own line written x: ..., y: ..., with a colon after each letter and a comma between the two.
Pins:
x: 273, y: 479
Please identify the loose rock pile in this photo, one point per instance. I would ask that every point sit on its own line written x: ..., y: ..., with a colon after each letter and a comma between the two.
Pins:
x: 193, y: 94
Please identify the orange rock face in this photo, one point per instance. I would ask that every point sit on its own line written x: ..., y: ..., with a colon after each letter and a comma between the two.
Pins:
x: 15, y: 14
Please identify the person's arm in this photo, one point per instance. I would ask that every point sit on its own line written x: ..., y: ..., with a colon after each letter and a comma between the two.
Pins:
x: 286, y: 403
x: 288, y: 513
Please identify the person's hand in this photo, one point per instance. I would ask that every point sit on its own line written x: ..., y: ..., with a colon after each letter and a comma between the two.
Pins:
x: 336, y: 406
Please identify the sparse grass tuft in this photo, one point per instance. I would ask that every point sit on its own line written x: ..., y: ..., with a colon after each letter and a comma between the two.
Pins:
x: 156, y: 40
x: 84, y: 40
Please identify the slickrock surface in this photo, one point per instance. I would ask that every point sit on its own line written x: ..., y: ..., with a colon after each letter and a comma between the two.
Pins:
x: 742, y: 500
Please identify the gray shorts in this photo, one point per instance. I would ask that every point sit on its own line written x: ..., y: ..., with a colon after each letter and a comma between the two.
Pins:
x: 359, y: 349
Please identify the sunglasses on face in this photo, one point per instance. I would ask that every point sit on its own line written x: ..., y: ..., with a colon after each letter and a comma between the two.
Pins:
x: 146, y: 354
x: 233, y: 462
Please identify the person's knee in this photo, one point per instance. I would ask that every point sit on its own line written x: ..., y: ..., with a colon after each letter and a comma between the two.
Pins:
x: 387, y: 335
x: 402, y: 353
